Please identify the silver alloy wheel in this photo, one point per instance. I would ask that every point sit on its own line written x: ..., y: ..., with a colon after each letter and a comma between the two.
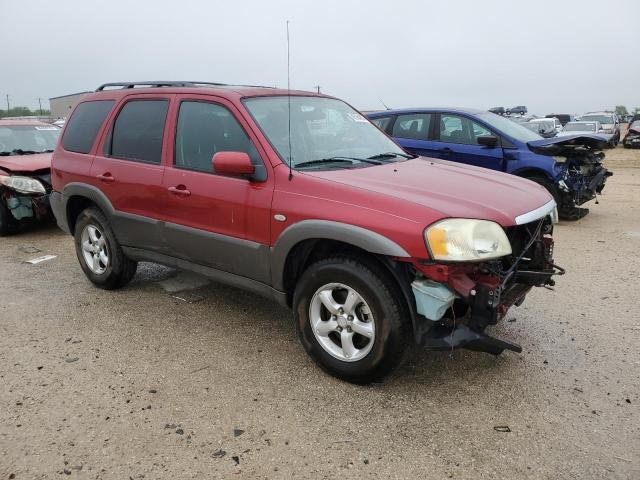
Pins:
x: 94, y: 249
x: 342, y: 322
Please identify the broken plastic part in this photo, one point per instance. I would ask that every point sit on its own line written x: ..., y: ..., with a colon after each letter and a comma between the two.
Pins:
x: 20, y: 207
x: 432, y: 299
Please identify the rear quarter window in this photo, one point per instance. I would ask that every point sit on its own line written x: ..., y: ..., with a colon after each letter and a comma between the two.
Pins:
x: 84, y: 124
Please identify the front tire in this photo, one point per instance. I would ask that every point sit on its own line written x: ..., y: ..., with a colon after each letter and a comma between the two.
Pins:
x: 351, y: 319
x: 99, y: 253
x: 8, y: 224
x: 567, y: 210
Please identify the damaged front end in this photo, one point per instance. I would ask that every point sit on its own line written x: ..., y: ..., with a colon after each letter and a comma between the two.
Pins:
x: 457, y: 302
x: 580, y: 173
x: 23, y: 197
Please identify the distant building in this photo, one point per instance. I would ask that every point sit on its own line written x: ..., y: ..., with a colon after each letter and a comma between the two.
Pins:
x: 61, y: 106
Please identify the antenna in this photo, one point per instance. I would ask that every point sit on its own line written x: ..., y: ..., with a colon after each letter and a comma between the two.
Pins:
x: 385, y: 106
x: 289, y: 100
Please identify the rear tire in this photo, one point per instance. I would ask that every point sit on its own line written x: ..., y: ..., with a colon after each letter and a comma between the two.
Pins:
x: 8, y: 224
x: 99, y: 253
x: 365, y: 332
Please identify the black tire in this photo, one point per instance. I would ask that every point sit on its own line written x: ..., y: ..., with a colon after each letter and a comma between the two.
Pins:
x: 8, y: 224
x: 393, y: 335
x: 119, y: 270
x: 567, y: 210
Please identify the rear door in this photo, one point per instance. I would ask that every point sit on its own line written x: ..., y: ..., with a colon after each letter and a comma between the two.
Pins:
x: 128, y: 169
x: 212, y: 219
x: 456, y: 140
x: 412, y: 132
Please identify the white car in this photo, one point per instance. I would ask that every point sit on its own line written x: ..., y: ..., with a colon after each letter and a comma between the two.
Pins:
x: 545, y: 127
x: 609, y: 121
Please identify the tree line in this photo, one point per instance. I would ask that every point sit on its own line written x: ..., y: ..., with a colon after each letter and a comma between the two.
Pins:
x: 622, y: 110
x: 23, y: 112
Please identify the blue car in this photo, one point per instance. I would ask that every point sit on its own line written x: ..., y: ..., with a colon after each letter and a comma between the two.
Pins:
x: 569, y: 167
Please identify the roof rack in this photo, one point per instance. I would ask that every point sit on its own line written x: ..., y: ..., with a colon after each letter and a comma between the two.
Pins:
x: 171, y: 83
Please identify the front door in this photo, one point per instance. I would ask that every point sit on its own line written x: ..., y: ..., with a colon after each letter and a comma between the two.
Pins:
x: 457, y: 141
x: 215, y: 220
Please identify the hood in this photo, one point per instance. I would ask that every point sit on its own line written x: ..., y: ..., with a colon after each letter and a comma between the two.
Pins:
x: 452, y: 189
x: 567, y: 144
x: 26, y: 163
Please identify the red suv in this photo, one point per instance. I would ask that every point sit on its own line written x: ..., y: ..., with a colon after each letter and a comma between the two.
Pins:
x: 298, y: 197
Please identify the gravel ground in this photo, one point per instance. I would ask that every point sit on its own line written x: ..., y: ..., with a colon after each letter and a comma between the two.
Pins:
x: 173, y: 377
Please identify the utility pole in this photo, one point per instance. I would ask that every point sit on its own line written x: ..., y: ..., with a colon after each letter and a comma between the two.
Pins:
x: 40, y: 103
x: 317, y: 87
x: 8, y: 108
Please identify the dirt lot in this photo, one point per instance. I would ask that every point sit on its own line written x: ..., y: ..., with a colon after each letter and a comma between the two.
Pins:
x: 151, y: 382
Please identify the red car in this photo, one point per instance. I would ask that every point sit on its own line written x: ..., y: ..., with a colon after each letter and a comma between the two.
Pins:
x: 25, y: 171
x: 298, y: 197
x: 632, y: 138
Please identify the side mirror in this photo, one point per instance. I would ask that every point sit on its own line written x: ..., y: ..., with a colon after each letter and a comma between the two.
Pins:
x: 489, y: 141
x: 233, y: 163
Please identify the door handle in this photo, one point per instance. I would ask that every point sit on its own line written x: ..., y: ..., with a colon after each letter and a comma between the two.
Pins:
x: 180, y: 191
x: 106, y: 178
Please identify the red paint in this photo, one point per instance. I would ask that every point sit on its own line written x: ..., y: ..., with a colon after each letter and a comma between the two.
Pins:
x: 395, y: 200
x: 232, y: 163
x: 26, y: 163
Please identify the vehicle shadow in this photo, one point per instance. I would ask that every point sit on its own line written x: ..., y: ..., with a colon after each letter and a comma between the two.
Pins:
x: 245, y: 313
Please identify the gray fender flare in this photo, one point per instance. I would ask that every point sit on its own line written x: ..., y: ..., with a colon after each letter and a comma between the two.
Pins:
x: 87, y: 191
x: 323, y: 229
x: 92, y: 193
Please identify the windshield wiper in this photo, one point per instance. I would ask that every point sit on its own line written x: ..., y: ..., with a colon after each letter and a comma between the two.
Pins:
x: 19, y: 151
x: 349, y: 160
x: 390, y: 155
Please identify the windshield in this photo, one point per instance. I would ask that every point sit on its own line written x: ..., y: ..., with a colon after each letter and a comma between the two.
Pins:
x: 580, y: 127
x: 509, y: 128
x: 325, y: 133
x: 28, y: 138
x: 598, y: 118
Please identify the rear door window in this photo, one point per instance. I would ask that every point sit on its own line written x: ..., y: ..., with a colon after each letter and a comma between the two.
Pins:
x: 84, y: 124
x: 138, y: 131
x: 413, y: 126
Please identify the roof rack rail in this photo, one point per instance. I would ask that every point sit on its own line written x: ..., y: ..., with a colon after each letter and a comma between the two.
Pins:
x: 170, y: 83
x: 159, y: 83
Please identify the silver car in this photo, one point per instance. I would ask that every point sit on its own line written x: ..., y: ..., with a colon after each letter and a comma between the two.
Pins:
x: 589, y: 128
x: 609, y: 121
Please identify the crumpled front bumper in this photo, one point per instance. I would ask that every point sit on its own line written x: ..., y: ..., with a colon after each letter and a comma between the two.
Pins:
x: 483, y: 292
x: 22, y: 206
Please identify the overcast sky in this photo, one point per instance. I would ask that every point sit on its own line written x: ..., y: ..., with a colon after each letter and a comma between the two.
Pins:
x: 553, y: 56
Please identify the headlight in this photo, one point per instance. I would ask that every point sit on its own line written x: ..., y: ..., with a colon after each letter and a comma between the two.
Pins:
x: 22, y: 184
x: 466, y: 240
